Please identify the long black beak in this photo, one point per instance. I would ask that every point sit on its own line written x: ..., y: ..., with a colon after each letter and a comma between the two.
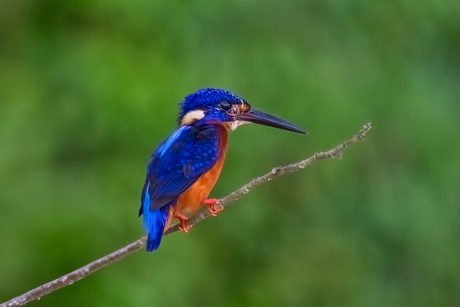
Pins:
x: 261, y: 118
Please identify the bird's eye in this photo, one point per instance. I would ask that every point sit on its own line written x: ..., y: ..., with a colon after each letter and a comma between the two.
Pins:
x: 225, y: 105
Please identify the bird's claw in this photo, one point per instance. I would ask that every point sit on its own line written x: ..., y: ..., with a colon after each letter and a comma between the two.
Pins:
x: 183, y: 222
x: 213, y: 206
x: 184, y: 227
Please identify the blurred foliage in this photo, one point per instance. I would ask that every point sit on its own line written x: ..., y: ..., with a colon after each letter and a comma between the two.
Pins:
x: 89, y: 88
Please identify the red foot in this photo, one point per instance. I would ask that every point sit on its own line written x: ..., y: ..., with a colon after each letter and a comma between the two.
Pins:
x: 213, y: 206
x: 183, y: 222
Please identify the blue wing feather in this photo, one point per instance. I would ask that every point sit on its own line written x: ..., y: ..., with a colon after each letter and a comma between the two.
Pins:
x: 178, y: 162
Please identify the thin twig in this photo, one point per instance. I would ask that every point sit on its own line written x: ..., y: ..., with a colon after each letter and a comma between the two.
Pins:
x: 76, y: 275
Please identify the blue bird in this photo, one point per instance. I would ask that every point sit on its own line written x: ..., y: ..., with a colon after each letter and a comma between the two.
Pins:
x: 185, y: 167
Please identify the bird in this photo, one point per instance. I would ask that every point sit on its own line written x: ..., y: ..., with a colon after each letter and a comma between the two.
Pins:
x: 184, y: 168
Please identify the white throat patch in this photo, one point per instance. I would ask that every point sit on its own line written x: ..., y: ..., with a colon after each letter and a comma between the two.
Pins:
x: 191, y: 117
x: 236, y: 123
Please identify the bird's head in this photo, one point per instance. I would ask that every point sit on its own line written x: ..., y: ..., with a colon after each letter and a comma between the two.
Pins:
x: 215, y: 106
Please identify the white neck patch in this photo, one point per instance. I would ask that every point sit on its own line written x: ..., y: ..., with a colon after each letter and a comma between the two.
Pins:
x: 236, y: 123
x: 192, y: 116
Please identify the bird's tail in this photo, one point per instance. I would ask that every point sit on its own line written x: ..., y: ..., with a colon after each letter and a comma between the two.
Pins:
x: 154, y: 223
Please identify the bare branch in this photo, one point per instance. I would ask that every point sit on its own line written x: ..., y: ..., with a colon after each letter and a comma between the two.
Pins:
x: 76, y: 275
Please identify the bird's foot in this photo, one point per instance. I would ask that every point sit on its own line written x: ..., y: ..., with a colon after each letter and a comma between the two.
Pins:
x: 213, y: 206
x: 183, y: 222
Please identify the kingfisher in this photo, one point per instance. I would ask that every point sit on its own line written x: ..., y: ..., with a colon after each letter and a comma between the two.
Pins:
x: 185, y: 167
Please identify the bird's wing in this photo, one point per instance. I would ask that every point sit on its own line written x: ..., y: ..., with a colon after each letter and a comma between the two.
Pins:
x: 178, y: 162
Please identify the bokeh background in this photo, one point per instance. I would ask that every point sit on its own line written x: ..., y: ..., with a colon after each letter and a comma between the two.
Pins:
x: 88, y: 89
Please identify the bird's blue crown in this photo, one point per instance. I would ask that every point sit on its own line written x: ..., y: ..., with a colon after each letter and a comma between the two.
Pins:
x: 207, y: 98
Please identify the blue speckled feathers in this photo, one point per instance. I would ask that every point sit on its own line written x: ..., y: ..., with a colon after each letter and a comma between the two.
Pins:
x: 178, y: 162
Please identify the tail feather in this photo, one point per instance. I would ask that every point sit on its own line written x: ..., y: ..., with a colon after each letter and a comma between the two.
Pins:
x: 154, y: 223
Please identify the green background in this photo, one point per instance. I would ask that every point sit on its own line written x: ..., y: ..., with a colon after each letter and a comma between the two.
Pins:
x: 88, y: 89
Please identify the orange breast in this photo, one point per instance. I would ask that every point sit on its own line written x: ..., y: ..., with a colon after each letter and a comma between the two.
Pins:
x: 192, y: 199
